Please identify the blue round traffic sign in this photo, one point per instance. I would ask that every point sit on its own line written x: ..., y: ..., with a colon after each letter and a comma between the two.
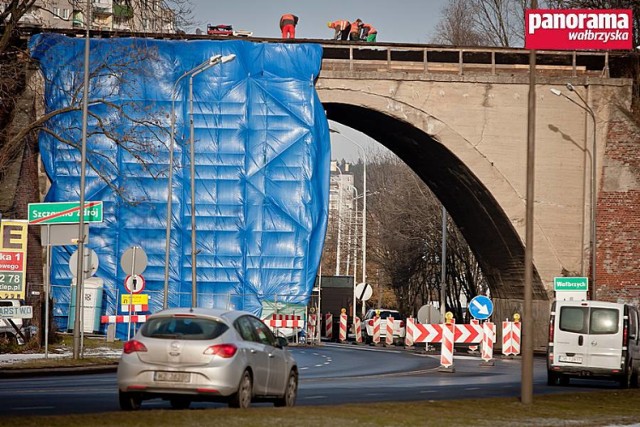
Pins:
x: 481, y: 307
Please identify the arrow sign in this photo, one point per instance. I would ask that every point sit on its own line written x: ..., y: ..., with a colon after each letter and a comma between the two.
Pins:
x: 481, y: 307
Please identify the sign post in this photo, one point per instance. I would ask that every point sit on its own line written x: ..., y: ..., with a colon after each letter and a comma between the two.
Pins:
x: 571, y: 288
x: 133, y: 262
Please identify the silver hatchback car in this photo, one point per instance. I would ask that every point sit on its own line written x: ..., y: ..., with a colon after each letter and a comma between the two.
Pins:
x: 184, y: 355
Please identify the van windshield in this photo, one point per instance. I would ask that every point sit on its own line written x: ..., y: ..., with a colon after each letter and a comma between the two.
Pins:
x: 585, y: 320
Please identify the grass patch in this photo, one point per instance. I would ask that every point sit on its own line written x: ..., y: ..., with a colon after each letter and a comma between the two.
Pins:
x: 579, y: 409
x: 59, y: 362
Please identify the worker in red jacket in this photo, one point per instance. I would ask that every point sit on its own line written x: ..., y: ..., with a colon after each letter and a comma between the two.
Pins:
x: 369, y: 33
x: 356, y: 27
x: 288, y: 23
x: 342, y: 28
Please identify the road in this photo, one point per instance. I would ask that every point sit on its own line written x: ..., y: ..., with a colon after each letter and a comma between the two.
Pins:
x: 329, y: 375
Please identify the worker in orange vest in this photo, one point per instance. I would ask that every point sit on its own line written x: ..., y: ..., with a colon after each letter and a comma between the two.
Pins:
x: 369, y: 33
x: 342, y: 28
x: 356, y: 27
x: 288, y: 23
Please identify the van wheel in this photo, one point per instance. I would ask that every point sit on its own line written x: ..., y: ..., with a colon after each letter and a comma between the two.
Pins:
x: 552, y: 378
x: 563, y: 380
x: 625, y: 380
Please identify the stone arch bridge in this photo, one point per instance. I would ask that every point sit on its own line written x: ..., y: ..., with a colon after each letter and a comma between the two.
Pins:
x: 458, y: 118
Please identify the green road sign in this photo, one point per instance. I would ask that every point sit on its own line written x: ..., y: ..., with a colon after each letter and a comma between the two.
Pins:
x: 571, y: 284
x: 64, y: 212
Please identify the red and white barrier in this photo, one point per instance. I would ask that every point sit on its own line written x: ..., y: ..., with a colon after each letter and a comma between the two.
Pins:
x: 376, y: 330
x: 124, y: 319
x: 311, y: 328
x: 488, y: 338
x: 446, y: 354
x: 511, y: 332
x: 408, y: 338
x: 285, y: 321
x: 328, y: 326
x: 358, y: 330
x: 342, y: 334
x: 388, y: 339
x: 463, y: 333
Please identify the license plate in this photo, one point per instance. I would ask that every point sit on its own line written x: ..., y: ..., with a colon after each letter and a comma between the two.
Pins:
x: 174, y: 377
x: 570, y: 359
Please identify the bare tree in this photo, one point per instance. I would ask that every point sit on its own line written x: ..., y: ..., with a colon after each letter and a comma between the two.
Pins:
x: 457, y: 27
x: 407, y: 236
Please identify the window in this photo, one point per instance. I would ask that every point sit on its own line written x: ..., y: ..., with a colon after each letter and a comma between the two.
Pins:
x: 604, y: 321
x: 262, y: 332
x: 574, y: 319
x: 244, y: 328
x: 57, y: 14
x: 186, y: 328
x: 65, y: 13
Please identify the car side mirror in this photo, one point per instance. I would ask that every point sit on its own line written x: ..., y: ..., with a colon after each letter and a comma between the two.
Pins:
x: 282, y: 342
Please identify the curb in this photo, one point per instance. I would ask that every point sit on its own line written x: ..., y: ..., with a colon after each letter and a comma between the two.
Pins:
x: 49, y: 372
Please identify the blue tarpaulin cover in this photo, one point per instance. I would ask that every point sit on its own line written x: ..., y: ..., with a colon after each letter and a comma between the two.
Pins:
x: 262, y: 158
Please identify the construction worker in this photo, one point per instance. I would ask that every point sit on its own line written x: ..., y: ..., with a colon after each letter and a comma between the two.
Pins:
x: 356, y: 27
x: 369, y: 33
x: 342, y: 28
x: 288, y: 23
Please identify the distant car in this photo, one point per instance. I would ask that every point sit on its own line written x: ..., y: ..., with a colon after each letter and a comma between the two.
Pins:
x: 227, y: 30
x: 399, y: 330
x: 184, y: 355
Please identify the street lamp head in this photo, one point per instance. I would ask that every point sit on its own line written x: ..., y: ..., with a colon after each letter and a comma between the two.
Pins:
x: 214, y: 59
x: 555, y: 91
x: 228, y: 58
x: 570, y: 87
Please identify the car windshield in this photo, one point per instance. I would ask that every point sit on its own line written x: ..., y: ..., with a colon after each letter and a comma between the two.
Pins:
x: 186, y: 328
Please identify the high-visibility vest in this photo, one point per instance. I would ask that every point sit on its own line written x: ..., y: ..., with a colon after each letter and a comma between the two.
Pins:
x: 341, y: 24
x: 356, y: 26
x: 369, y: 29
x: 288, y: 19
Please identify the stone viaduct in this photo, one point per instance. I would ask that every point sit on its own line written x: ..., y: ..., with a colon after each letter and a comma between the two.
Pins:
x: 458, y: 118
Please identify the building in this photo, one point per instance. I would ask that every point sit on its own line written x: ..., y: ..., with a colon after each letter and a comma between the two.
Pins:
x: 341, y: 233
x: 149, y: 16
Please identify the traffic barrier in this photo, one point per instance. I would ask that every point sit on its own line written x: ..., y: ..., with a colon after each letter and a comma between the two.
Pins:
x: 328, y: 326
x: 311, y: 328
x: 285, y: 321
x: 358, y: 330
x: 511, y: 338
x: 446, y: 354
x: 388, y: 339
x: 134, y: 308
x: 408, y: 338
x: 376, y: 330
x: 140, y: 318
x: 342, y: 334
x: 488, y: 338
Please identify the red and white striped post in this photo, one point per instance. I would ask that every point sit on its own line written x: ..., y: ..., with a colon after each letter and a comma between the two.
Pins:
x: 388, y: 339
x: 408, y: 338
x: 376, y: 330
x: 358, y: 330
x: 311, y: 328
x: 511, y: 336
x: 328, y: 326
x: 488, y: 338
x: 446, y: 353
x: 342, y: 335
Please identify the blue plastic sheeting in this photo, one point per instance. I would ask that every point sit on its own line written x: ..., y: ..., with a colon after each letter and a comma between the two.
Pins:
x: 262, y: 167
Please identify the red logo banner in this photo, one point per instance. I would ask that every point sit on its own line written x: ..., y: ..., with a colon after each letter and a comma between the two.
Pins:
x: 578, y: 29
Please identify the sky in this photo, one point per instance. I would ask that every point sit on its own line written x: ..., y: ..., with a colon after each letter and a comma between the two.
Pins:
x: 397, y: 21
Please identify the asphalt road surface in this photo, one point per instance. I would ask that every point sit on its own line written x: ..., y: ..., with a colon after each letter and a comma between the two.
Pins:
x: 329, y: 375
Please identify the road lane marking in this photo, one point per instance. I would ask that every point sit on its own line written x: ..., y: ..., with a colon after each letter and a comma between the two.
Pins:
x: 32, y: 408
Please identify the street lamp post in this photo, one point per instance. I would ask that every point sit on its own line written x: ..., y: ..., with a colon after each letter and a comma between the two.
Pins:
x: 339, y: 199
x: 364, y: 203
x: 585, y: 106
x: 218, y: 60
x: 206, y: 64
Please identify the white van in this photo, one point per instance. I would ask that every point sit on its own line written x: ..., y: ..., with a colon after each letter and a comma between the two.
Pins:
x: 593, y: 339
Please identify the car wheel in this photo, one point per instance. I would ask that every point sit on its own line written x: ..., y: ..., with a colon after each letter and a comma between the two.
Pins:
x: 129, y: 401
x: 290, y: 393
x: 242, y: 398
x: 180, y: 403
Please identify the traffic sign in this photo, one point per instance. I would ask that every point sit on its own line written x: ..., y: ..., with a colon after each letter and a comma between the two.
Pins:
x: 134, y: 260
x: 570, y: 284
x: 63, y: 212
x: 90, y: 262
x: 363, y: 291
x: 134, y: 284
x: 481, y: 307
x: 11, y: 312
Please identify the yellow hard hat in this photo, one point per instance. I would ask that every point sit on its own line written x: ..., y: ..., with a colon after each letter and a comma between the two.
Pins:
x: 329, y: 24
